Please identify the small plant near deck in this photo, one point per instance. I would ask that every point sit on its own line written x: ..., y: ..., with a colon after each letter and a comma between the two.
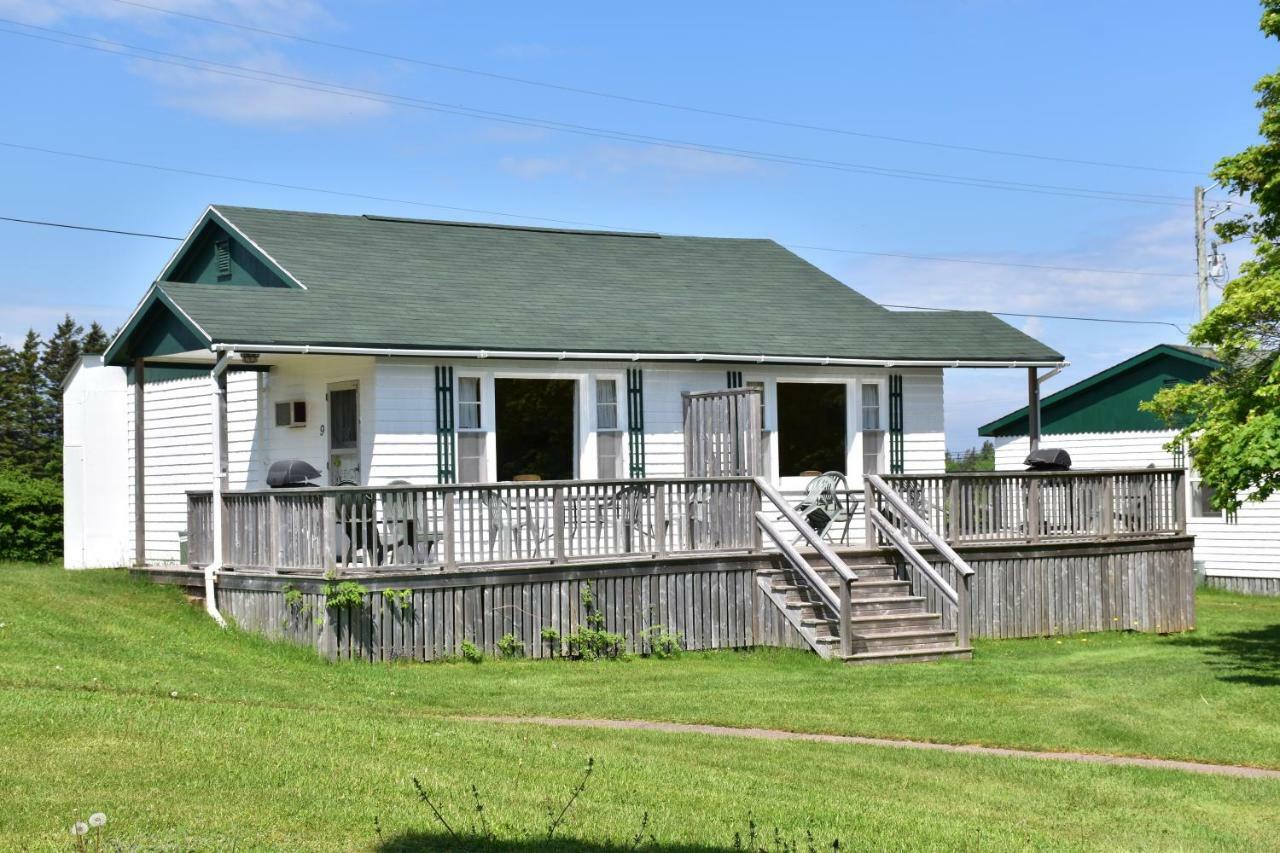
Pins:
x: 511, y: 646
x: 400, y: 599
x: 551, y: 637
x: 292, y: 597
x: 591, y: 641
x: 471, y: 652
x: 663, y: 643
x: 343, y: 594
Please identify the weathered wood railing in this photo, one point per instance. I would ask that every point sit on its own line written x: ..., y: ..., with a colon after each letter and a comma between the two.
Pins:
x: 892, y: 519
x: 839, y: 600
x: 388, y: 527
x: 1035, y: 506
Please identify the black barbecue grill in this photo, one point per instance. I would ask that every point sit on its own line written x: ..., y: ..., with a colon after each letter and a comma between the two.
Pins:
x: 291, y: 474
x: 1048, y: 459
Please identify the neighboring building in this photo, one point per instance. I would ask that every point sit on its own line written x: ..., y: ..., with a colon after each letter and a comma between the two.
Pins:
x: 1097, y: 420
x: 381, y: 349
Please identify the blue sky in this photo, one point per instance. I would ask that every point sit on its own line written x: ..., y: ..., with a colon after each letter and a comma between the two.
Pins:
x: 1159, y: 85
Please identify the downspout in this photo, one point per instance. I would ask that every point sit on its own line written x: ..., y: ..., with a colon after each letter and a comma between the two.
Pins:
x: 217, y: 420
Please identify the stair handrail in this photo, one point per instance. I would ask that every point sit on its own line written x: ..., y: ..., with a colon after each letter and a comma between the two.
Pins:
x: 840, y: 603
x: 959, y: 598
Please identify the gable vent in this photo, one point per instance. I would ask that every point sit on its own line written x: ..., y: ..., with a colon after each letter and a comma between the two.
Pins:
x: 222, y: 259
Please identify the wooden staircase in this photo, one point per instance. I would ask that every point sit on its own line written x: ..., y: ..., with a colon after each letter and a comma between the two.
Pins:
x: 887, y: 624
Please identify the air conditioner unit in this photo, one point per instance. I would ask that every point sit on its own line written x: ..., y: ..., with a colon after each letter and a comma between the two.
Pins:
x: 292, y: 413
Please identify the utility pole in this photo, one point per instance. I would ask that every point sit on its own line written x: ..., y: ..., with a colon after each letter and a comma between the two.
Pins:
x: 1202, y: 260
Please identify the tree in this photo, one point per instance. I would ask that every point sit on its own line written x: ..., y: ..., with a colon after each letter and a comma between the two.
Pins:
x: 1230, y: 421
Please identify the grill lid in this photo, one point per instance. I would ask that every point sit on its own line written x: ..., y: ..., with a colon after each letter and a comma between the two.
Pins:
x: 291, y: 472
x: 1048, y: 459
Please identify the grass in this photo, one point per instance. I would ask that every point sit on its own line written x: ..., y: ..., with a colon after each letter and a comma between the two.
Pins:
x: 264, y: 746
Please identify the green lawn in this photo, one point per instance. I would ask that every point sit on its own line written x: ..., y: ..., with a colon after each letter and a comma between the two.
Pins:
x: 266, y: 746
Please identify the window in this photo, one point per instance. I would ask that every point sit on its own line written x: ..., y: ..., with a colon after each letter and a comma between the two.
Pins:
x: 469, y: 402
x: 1202, y: 498
x: 812, y: 425
x: 608, y: 430
x: 471, y: 449
x: 872, y: 430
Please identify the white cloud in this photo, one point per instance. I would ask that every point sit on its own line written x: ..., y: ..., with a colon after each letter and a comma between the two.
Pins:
x: 208, y: 92
x: 1165, y: 246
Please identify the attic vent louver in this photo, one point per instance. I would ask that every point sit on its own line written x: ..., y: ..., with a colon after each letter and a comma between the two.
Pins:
x: 222, y: 259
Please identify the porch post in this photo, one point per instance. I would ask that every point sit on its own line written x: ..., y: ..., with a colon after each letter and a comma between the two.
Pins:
x: 139, y: 463
x: 218, y: 421
x: 1033, y: 407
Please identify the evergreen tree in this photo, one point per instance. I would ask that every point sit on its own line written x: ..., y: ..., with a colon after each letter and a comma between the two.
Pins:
x: 95, y: 340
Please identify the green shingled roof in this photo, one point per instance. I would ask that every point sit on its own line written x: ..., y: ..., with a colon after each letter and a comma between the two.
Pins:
x: 382, y: 282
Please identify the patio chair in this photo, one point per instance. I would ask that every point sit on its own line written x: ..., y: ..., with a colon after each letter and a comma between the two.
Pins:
x: 628, y: 505
x: 358, y: 529
x: 826, y: 503
x: 507, y: 523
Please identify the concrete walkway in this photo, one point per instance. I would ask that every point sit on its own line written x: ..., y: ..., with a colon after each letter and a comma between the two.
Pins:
x: 968, y: 749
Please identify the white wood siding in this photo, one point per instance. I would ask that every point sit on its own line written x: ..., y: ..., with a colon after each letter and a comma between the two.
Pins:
x: 1247, y: 547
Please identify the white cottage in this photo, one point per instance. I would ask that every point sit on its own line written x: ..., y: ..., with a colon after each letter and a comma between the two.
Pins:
x: 386, y: 350
x: 1097, y: 420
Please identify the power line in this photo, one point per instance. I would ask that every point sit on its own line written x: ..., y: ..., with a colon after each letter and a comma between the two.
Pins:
x: 1044, y: 316
x: 284, y: 186
x: 653, y: 102
x: 884, y: 304
x: 576, y: 222
x: 989, y: 263
x: 242, y: 72
x: 87, y: 228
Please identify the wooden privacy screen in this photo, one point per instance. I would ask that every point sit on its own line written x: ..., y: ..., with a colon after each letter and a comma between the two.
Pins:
x: 723, y: 433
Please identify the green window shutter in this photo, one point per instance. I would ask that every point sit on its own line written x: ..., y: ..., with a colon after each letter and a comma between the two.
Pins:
x: 222, y: 259
x: 635, y: 421
x: 446, y: 458
x: 1180, y: 456
x: 897, y: 450
x: 734, y: 379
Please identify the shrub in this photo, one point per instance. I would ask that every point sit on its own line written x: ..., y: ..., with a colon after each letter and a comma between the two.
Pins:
x: 663, y: 643
x: 30, y: 518
x: 510, y: 646
x: 471, y: 652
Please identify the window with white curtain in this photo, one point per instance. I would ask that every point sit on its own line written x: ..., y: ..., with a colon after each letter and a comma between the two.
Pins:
x: 872, y: 430
x: 608, y: 430
x: 471, y: 439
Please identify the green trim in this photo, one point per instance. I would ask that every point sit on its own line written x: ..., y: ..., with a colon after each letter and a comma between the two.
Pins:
x: 157, y: 327
x: 170, y: 370
x: 635, y: 420
x: 200, y: 236
x: 446, y: 450
x: 734, y: 379
x: 1107, y: 400
x: 897, y: 440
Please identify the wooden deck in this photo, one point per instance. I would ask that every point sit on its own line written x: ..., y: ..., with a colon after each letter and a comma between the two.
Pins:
x: 713, y: 559
x: 714, y: 601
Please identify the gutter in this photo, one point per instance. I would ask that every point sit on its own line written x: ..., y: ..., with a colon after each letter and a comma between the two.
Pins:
x: 215, y: 509
x: 564, y: 355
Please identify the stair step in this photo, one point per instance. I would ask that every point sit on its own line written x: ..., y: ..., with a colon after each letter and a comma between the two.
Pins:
x: 879, y: 589
x: 920, y: 654
x: 821, y: 627
x: 888, y: 604
x: 902, y: 640
x: 891, y: 621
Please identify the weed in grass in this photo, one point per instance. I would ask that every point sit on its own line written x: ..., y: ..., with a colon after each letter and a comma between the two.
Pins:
x: 471, y: 652
x: 511, y: 646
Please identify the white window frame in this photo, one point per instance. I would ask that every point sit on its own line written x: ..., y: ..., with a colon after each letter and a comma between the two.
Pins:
x: 620, y: 429
x: 858, y: 462
x: 485, y: 392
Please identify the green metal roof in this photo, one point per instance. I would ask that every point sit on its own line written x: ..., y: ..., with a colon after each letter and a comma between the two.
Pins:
x: 368, y: 281
x: 1108, y: 400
